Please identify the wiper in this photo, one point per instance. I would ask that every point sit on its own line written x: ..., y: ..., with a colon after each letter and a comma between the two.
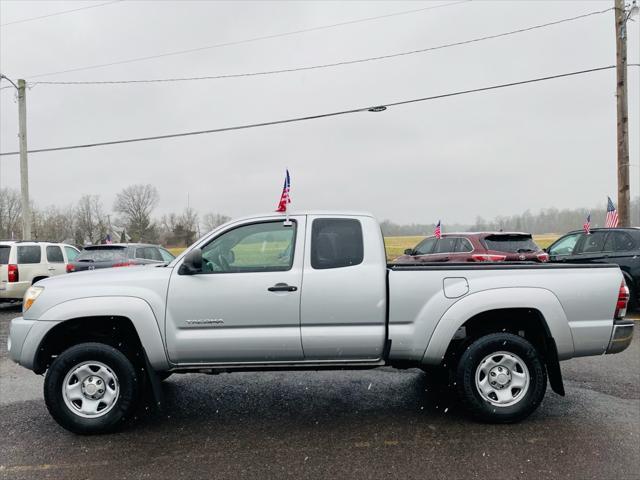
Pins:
x: 525, y: 250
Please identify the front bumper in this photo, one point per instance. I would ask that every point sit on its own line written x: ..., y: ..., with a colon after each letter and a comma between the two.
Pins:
x: 25, y: 337
x: 621, y: 336
x: 18, y: 332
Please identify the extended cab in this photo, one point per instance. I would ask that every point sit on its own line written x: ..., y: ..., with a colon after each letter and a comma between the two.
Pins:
x: 310, y: 291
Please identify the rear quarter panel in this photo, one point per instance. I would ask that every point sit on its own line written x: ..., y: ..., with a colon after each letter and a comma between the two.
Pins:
x: 578, y: 305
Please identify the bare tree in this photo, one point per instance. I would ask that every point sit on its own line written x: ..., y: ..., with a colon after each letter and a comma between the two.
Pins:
x: 91, y: 221
x: 179, y: 230
x: 135, y: 203
x: 10, y: 219
x: 213, y: 220
x: 53, y: 225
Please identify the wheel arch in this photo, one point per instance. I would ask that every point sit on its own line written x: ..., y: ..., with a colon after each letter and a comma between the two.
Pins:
x: 533, y: 313
x: 127, y: 321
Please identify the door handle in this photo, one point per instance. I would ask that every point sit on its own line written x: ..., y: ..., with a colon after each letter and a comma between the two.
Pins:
x: 51, y: 269
x: 282, y: 287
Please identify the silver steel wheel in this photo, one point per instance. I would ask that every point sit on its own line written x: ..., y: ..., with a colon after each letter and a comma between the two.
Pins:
x: 502, y: 379
x: 90, y: 389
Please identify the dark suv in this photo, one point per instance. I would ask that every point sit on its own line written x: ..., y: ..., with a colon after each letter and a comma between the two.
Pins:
x: 475, y: 247
x: 118, y: 255
x: 603, y: 245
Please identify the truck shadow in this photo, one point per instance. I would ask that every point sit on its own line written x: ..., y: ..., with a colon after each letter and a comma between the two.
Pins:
x: 290, y: 399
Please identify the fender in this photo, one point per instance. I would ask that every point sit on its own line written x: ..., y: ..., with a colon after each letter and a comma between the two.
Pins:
x: 135, y: 309
x: 467, y: 307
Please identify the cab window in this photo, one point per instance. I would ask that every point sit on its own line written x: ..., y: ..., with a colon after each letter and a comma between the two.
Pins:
x: 259, y: 247
x: 336, y: 243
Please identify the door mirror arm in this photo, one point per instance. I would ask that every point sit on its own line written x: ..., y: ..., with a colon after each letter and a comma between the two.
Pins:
x: 192, y: 263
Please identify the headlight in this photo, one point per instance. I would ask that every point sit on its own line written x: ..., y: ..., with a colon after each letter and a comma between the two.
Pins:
x: 30, y: 296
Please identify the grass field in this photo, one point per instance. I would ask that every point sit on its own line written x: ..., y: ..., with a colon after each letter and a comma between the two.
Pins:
x: 395, y: 246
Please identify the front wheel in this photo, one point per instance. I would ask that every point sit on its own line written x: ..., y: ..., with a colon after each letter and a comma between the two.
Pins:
x: 91, y: 388
x: 501, y: 378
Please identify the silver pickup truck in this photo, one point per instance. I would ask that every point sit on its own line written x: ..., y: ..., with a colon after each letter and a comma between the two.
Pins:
x: 313, y: 291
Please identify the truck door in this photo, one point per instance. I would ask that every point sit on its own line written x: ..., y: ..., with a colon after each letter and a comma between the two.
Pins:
x: 343, y: 310
x: 245, y: 304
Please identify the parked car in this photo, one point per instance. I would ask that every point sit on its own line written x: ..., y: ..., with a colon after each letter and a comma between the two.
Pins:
x: 119, y: 255
x: 475, y: 247
x: 24, y: 263
x: 603, y: 245
x: 236, y: 301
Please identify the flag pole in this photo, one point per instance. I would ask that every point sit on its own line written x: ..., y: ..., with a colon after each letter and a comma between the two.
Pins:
x: 287, y: 222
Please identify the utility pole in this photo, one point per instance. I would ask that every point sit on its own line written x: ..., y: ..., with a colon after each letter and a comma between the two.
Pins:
x: 622, y: 14
x: 24, y: 165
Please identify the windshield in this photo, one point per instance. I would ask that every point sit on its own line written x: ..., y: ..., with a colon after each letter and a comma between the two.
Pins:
x: 511, y: 243
x: 4, y: 254
x: 102, y: 255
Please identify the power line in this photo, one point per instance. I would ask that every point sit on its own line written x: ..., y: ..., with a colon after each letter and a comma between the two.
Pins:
x: 325, y: 65
x: 63, y: 12
x: 377, y: 108
x: 248, y: 40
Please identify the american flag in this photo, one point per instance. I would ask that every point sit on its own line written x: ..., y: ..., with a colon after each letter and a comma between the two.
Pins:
x: 285, y: 198
x: 587, y: 225
x: 438, y: 231
x: 611, y: 220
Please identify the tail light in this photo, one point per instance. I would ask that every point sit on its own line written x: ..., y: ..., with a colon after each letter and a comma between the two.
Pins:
x: 623, y: 300
x: 543, y: 257
x: 12, y: 273
x: 123, y: 264
x: 486, y: 257
x: 70, y: 268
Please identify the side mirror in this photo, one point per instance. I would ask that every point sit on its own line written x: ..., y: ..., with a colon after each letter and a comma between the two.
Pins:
x: 192, y: 263
x: 408, y: 251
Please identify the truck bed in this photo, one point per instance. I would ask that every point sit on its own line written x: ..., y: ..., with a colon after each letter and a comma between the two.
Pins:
x: 432, y: 301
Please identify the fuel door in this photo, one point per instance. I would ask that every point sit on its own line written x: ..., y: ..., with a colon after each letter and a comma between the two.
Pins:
x: 455, y: 287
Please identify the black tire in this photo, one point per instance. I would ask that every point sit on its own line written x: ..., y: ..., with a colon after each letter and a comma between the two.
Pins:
x: 481, y: 408
x: 127, y: 381
x: 633, y: 298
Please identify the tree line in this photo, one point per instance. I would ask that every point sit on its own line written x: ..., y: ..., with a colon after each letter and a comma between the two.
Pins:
x: 548, y: 220
x: 131, y: 219
x: 88, y: 221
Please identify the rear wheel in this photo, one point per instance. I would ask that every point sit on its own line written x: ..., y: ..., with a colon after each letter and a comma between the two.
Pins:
x: 91, y: 388
x: 501, y: 378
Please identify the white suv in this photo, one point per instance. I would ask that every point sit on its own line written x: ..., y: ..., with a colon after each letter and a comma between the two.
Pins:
x: 24, y: 263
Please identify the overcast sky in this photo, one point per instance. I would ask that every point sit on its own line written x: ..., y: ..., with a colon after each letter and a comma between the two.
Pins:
x: 549, y: 144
